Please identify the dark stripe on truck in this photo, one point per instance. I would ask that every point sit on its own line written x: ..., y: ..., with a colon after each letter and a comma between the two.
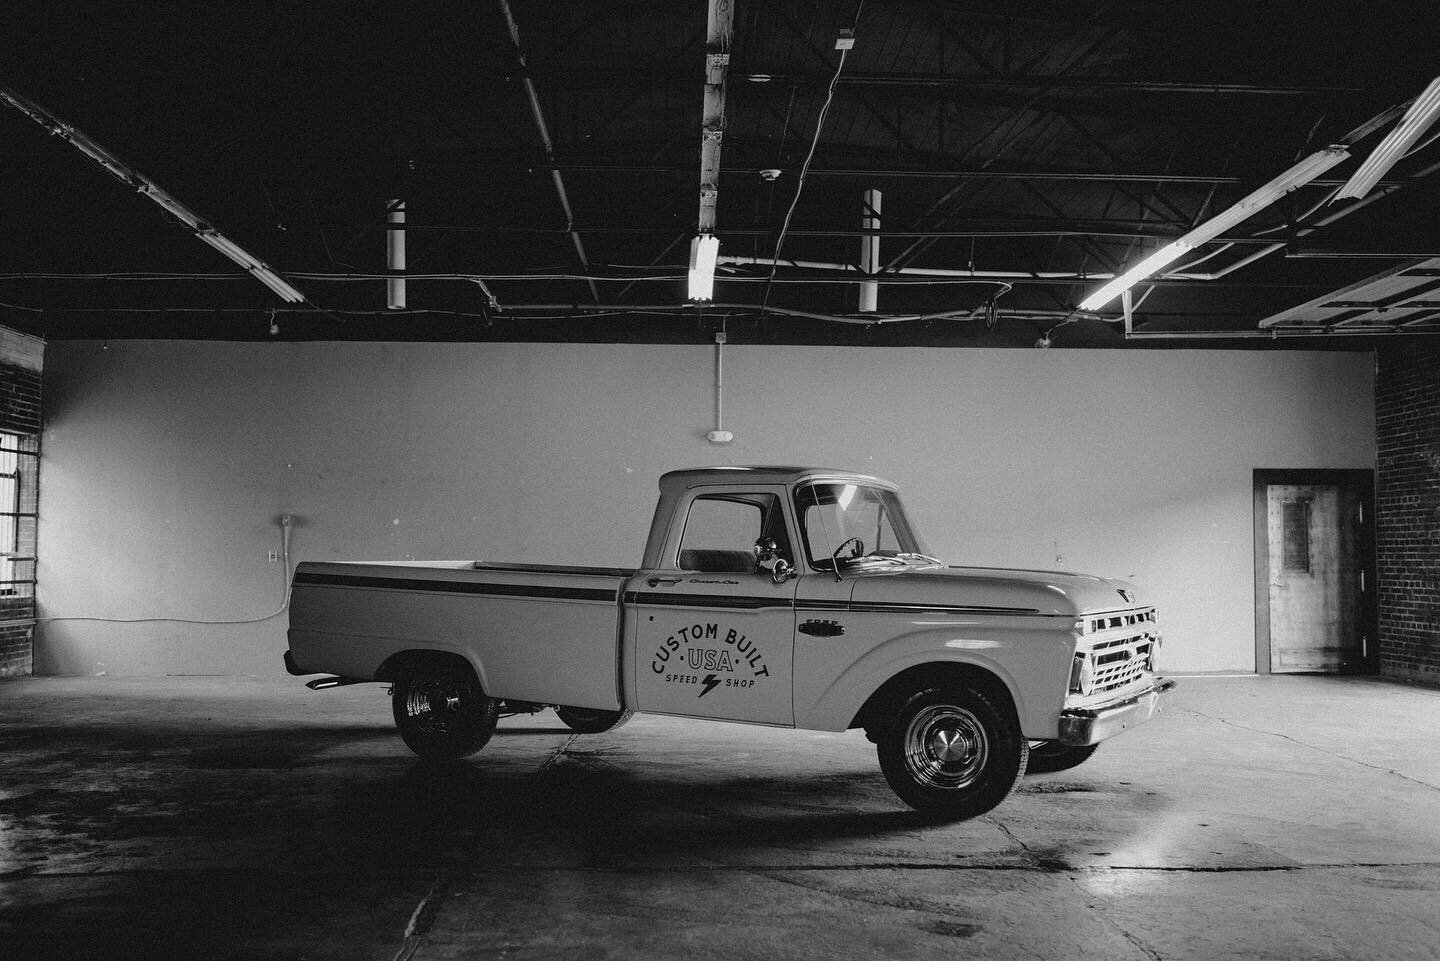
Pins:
x: 459, y: 587
x: 708, y: 600
x: 890, y: 607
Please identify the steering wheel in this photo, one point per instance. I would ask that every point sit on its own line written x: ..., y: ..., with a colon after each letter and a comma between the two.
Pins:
x: 858, y: 551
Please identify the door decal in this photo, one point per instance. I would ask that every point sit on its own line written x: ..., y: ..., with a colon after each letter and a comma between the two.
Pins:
x: 710, y: 655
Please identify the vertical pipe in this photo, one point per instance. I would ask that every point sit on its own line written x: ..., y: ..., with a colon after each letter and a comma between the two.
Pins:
x: 395, y: 254
x: 719, y: 381
x: 870, y: 250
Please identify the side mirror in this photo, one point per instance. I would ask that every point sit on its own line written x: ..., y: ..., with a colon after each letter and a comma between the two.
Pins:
x: 768, y: 558
x: 782, y: 571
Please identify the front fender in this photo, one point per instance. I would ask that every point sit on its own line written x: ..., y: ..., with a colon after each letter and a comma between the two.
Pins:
x: 1031, y: 660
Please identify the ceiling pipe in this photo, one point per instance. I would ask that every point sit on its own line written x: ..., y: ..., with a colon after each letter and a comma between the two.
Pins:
x: 738, y: 259
x: 870, y: 250
x: 395, y: 254
x: 539, y: 116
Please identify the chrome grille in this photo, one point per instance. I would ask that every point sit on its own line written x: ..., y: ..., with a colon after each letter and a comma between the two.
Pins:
x: 1120, y: 661
x: 1107, y: 622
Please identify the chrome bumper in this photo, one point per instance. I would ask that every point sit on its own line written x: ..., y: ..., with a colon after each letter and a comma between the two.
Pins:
x: 1082, y: 726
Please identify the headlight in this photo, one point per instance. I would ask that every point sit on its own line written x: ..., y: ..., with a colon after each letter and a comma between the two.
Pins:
x: 1082, y: 674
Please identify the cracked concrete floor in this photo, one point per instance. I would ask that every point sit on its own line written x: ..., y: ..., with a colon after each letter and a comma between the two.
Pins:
x: 1284, y: 817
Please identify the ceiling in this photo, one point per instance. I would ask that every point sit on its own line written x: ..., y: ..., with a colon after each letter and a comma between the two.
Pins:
x: 1021, y: 153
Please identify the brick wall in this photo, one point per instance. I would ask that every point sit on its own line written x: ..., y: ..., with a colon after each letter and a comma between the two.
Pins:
x: 21, y: 359
x: 1407, y: 411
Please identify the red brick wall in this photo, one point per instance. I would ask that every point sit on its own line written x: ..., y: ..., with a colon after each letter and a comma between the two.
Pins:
x: 20, y: 365
x: 1407, y: 412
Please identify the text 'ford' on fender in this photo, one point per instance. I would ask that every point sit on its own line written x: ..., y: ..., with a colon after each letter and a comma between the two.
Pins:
x: 791, y: 597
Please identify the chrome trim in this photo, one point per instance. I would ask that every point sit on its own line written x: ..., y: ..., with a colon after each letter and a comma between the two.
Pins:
x: 1083, y: 726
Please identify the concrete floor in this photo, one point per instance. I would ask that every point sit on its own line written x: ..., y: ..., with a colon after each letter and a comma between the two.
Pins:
x: 1286, y: 818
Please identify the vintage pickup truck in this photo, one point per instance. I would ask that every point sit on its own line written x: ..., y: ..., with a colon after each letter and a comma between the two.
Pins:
x: 793, y: 597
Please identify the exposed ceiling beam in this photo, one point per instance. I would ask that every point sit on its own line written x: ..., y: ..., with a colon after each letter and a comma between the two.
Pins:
x: 719, y: 34
x: 543, y: 130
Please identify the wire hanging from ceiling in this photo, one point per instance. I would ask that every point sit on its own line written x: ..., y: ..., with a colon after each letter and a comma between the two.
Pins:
x: 809, y: 156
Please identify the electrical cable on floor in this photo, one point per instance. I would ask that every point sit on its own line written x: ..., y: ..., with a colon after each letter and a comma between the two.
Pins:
x: 284, y: 604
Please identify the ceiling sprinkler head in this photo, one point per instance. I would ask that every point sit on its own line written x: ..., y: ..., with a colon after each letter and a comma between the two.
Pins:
x: 770, y: 174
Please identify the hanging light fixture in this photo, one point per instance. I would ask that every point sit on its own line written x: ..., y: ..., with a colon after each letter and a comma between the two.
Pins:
x: 1297, y: 176
x: 1422, y: 113
x: 704, y: 250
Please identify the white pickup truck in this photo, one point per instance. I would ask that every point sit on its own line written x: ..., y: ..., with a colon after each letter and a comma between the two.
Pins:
x: 792, y: 597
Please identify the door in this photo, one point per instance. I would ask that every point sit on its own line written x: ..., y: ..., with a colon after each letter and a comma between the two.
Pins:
x: 714, y: 635
x: 1316, y: 580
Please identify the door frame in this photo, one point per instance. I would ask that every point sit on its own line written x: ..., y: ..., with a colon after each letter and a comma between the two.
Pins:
x: 1361, y: 482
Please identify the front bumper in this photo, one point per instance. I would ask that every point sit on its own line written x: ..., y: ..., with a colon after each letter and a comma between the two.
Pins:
x: 1082, y: 726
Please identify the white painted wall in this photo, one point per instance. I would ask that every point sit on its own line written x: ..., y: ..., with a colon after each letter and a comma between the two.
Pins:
x: 167, y: 464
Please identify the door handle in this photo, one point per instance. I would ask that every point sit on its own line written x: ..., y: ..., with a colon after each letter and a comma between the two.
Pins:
x: 657, y: 581
x: 822, y: 628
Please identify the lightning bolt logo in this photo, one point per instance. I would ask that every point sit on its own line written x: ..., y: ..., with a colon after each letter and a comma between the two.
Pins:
x: 710, y: 684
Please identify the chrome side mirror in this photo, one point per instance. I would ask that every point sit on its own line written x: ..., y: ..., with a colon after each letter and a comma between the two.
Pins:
x: 768, y: 558
x: 782, y: 571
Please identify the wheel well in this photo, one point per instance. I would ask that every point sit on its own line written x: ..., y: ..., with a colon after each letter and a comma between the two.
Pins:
x: 889, y: 696
x: 407, y: 663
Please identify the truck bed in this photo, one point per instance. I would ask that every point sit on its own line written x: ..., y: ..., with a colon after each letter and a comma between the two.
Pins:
x: 532, y: 632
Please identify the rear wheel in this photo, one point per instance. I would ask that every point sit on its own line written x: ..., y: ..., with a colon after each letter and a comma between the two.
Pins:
x: 952, y: 752
x: 584, y: 720
x: 1047, y: 757
x: 442, y: 712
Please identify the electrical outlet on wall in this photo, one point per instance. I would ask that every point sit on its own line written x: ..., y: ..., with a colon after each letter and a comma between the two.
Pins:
x: 272, y: 556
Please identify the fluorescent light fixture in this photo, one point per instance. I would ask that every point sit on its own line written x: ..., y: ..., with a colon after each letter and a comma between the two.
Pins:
x: 1297, y: 176
x: 704, y: 250
x: 133, y: 178
x: 1397, y: 143
x: 227, y: 247
x: 274, y: 281
x: 258, y: 269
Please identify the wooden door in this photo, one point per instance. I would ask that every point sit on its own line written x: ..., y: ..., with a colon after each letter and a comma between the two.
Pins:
x: 1316, y: 578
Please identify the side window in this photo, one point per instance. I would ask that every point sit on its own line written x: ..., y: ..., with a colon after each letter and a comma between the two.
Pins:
x: 721, y: 531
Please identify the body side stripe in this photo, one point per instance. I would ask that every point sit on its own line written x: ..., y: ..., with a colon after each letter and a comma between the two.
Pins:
x: 459, y: 587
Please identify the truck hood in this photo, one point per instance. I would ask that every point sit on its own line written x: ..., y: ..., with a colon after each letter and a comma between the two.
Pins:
x: 1039, y: 592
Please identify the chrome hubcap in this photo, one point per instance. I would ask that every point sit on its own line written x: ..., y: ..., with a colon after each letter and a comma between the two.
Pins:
x: 434, y: 704
x: 946, y: 747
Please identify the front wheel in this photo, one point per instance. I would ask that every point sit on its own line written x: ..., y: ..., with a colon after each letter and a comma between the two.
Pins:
x: 1047, y: 757
x: 442, y: 713
x: 951, y: 752
x: 584, y: 720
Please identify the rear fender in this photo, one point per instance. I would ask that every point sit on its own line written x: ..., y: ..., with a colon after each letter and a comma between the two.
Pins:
x: 408, y: 662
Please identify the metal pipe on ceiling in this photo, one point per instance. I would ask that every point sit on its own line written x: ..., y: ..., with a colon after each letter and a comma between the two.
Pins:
x: 395, y: 254
x: 539, y: 116
x: 1022, y: 275
x: 870, y: 250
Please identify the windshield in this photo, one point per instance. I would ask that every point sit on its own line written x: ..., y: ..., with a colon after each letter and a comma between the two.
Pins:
x: 867, y: 522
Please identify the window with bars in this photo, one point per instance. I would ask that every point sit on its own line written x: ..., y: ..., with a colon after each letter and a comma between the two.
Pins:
x: 19, y: 470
